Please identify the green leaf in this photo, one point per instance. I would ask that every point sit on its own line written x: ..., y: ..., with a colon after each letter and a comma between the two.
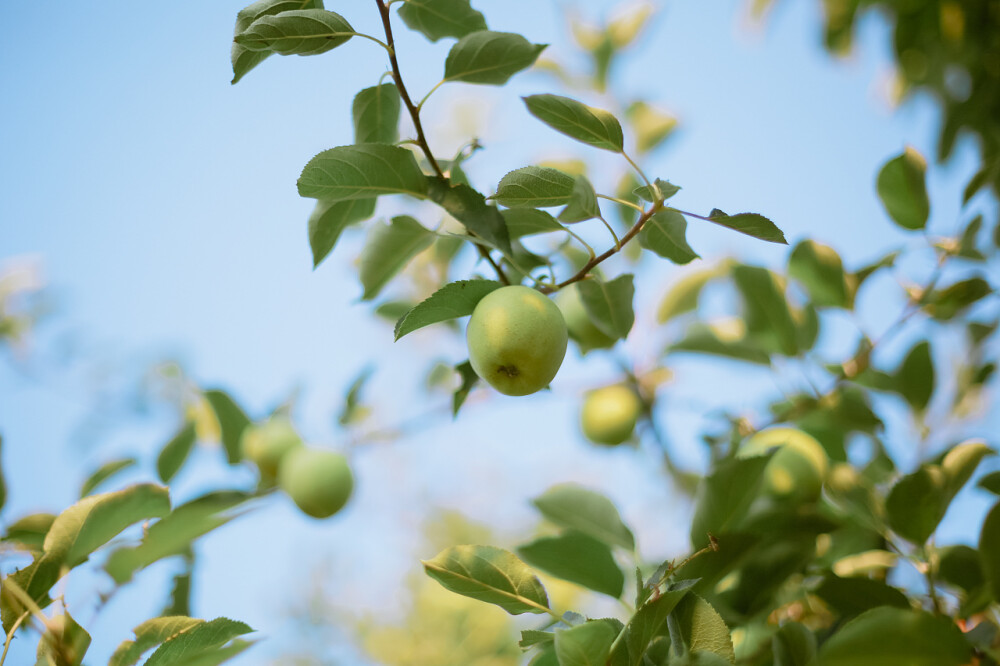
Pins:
x: 989, y: 549
x: 470, y: 208
x: 594, y: 127
x: 902, y: 188
x: 546, y: 657
x: 650, y: 125
x: 577, y: 508
x: 717, y: 340
x: 441, y: 18
x: 330, y: 218
x: 609, y: 304
x: 582, y: 202
x: 917, y: 503
x: 665, y: 234
x: 3, y: 485
x: 174, y: 533
x: 65, y: 644
x: 724, y: 496
x: 819, y: 268
x: 296, y: 32
x: 199, y: 641
x: 661, y: 190
x: 588, y: 644
x: 945, y: 304
x: 376, y: 114
x: 887, y: 635
x: 76, y: 533
x: 683, y: 294
x: 148, y: 635
x: 218, y: 655
x: 388, y: 249
x: 768, y: 317
x: 959, y: 566
x: 105, y: 472
x: 456, y: 299
x: 534, y: 187
x: 244, y: 59
x: 175, y: 452
x: 990, y: 482
x: 852, y: 596
x: 960, y: 463
x: 529, y: 221
x: 362, y: 171
x: 489, y: 574
x: 469, y: 379
x: 793, y: 645
x: 179, y: 602
x: 697, y: 626
x: 232, y: 422
x: 750, y: 224
x: 489, y: 57
x: 648, y: 622
x: 578, y: 558
x: 28, y: 533
x: 532, y: 637
x: 915, y: 376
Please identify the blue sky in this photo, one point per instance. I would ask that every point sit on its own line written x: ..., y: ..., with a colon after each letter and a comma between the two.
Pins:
x: 162, y: 202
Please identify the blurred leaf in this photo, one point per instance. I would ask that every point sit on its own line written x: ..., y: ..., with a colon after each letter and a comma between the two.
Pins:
x: 650, y: 126
x: 362, y: 171
x: 960, y: 463
x: 531, y: 637
x: 578, y: 558
x: 594, y: 127
x: 490, y: 58
x: 915, y: 376
x: 456, y: 299
x: 703, y: 339
x: 173, y: 534
x: 214, y: 656
x: 330, y: 218
x: 66, y: 644
x: 3, y: 485
x: 724, y: 496
x: 682, y: 295
x: 296, y: 32
x: 664, y: 233
x: 627, y: 185
x: 967, y: 243
x: 887, y: 635
x: 750, y: 224
x: 959, y: 566
x: 768, y: 316
x: 819, y: 268
x: 660, y: 188
x: 197, y: 642
x: 388, y: 249
x: 585, y: 645
x: 807, y: 326
x: 105, y: 472
x: 352, y: 410
x: 470, y: 208
x: 529, y: 221
x: 902, y: 188
x: 853, y: 596
x: 244, y: 59
x: 858, y: 277
x: 577, y: 508
x: 545, y: 657
x: 990, y: 482
x: 917, y: 503
x: 697, y: 626
x: 75, y: 534
x: 649, y: 621
x: 232, y: 422
x: 989, y: 549
x: 535, y: 187
x: 436, y: 19
x: 179, y: 602
x: 469, y: 379
x: 489, y: 574
x: 609, y: 304
x: 582, y: 203
x: 793, y: 645
x: 376, y: 114
x: 945, y: 304
x: 148, y: 635
x: 175, y: 452
x: 29, y: 532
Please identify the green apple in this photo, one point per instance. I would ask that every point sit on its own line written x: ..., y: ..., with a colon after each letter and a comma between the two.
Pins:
x: 798, y: 467
x: 318, y: 481
x: 578, y: 322
x: 267, y: 443
x: 609, y: 414
x: 517, y: 340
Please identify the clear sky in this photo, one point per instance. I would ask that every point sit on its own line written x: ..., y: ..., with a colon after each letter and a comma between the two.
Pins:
x: 162, y: 203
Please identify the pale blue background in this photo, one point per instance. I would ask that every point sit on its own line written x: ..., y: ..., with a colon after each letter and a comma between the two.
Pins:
x: 162, y: 202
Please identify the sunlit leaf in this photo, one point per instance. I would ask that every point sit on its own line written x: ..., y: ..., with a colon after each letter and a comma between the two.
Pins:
x: 650, y: 125
x: 65, y: 643
x: 489, y: 574
x: 197, y: 642
x: 819, y: 268
x: 148, y: 635
x: 697, y: 626
x: 105, y: 472
x: 232, y: 422
x: 534, y: 187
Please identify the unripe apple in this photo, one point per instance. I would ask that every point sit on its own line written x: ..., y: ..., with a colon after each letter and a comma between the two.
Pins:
x: 318, y: 481
x: 267, y: 443
x: 517, y: 340
x: 578, y: 322
x: 609, y: 414
x: 797, y: 469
